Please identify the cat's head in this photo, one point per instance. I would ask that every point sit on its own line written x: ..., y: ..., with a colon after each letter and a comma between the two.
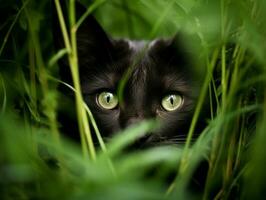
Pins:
x: 159, y: 76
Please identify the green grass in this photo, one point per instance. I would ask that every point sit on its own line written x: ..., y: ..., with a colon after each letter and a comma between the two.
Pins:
x: 233, y: 142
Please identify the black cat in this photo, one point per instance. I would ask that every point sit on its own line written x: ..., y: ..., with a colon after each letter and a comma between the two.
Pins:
x: 162, y: 82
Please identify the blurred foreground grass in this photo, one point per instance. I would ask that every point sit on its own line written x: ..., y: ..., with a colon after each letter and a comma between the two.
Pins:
x: 233, y: 142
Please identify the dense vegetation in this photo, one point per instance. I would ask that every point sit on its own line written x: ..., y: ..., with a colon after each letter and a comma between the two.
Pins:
x: 232, y: 46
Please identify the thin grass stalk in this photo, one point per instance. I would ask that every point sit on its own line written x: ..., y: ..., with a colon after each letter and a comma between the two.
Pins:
x: 12, y: 25
x: 73, y: 56
x: 185, y: 156
x: 62, y: 25
x: 236, y: 79
x: 122, y: 85
x: 211, y: 101
x: 212, y: 163
x: 50, y: 112
x: 223, y: 78
x: 123, y: 81
x: 159, y: 21
x: 208, y: 78
x: 233, y: 89
x: 100, y: 139
x: 68, y: 48
x: 235, y: 180
x: 92, y: 120
x: 32, y: 76
x: 128, y: 16
x: 83, y: 123
x: 216, y: 95
x: 57, y: 56
x: 94, y: 125
x: 90, y: 9
x: 216, y: 142
x: 241, y: 144
x: 33, y: 95
x: 239, y: 55
x: 3, y: 107
x: 223, y: 52
x: 220, y: 143
x: 229, y: 162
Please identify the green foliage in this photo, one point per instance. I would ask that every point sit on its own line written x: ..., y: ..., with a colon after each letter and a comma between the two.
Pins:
x: 37, y: 162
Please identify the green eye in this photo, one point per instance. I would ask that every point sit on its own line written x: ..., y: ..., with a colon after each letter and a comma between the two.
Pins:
x: 107, y: 100
x: 172, y: 102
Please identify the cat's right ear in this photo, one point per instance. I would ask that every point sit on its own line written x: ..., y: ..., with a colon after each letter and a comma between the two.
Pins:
x: 93, y: 44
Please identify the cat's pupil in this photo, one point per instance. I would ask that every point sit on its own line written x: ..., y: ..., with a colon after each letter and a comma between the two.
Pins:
x: 171, y: 100
x: 108, y: 99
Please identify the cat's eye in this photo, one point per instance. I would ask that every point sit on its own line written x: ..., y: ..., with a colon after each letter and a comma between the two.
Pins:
x: 107, y: 100
x: 172, y: 102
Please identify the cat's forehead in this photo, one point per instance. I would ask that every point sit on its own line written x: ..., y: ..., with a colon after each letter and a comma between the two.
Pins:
x: 152, y: 58
x: 136, y: 45
x: 144, y: 46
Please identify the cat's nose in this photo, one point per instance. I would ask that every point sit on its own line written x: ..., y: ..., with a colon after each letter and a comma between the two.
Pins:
x: 134, y: 120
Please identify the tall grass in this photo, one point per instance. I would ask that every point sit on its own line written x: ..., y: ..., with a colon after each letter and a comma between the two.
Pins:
x: 37, y: 162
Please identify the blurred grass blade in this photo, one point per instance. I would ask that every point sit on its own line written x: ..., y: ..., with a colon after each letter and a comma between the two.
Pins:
x: 90, y: 9
x: 4, y: 101
x: 12, y: 25
x: 57, y: 57
x: 128, y: 136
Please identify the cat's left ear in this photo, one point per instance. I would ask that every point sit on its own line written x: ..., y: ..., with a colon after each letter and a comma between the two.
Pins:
x: 93, y: 43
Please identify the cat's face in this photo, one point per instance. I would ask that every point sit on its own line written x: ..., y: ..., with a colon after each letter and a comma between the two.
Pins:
x: 159, y: 82
x: 158, y: 86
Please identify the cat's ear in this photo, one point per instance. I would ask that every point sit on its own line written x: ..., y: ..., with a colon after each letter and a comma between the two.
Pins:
x: 189, y: 54
x: 177, y: 50
x: 93, y: 44
x: 171, y: 49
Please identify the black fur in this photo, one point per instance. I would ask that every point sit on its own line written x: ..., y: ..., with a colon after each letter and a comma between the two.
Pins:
x: 159, y: 67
